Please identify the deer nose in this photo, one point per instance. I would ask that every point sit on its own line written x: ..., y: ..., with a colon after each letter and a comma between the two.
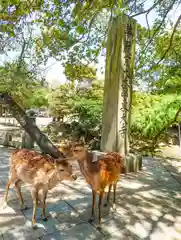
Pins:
x: 74, y: 177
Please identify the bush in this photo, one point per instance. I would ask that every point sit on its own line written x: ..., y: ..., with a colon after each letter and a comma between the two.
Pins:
x: 151, y: 115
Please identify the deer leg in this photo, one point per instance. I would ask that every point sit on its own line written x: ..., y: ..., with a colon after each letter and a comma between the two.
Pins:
x: 114, y: 196
x: 6, y: 194
x: 99, y: 206
x: 12, y: 178
x: 35, y: 204
x: 108, y: 196
x: 93, y: 206
x: 44, y: 218
x: 6, y: 191
x: 18, y: 189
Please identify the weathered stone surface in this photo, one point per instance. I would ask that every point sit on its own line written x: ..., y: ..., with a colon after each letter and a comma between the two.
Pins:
x: 168, y: 228
x: 82, y: 231
x: 4, y: 173
x: 110, y: 224
x: 68, y: 220
x: 85, y: 213
x: 44, y: 228
x: 79, y: 202
x: 13, y: 234
x: 77, y: 186
x: 121, y: 235
x: 1, y: 188
x: 148, y: 207
x: 10, y: 219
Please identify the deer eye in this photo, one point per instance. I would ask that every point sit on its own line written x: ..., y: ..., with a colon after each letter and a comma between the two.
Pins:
x: 61, y: 170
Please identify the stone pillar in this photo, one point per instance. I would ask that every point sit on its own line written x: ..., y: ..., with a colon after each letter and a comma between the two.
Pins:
x: 118, y: 84
x: 118, y: 91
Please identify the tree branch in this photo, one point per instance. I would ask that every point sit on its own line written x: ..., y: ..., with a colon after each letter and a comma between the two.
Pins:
x: 158, y: 28
x: 21, y: 55
x: 147, y: 22
x: 171, y: 39
x: 147, y: 10
x: 89, y: 27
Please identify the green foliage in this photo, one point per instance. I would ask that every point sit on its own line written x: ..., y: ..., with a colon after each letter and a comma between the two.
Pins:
x: 17, y: 80
x: 83, y: 107
x: 79, y: 72
x: 22, y: 85
x: 86, y: 108
x: 148, y: 60
x: 75, y: 32
x: 37, y: 98
x: 153, y: 114
x: 58, y: 100
x: 14, y: 77
x: 169, y: 71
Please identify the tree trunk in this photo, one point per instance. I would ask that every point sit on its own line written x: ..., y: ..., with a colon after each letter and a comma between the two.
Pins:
x: 30, y: 127
x: 118, y: 84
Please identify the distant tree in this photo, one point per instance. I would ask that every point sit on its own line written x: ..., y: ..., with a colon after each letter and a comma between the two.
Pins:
x: 79, y: 72
x: 58, y: 101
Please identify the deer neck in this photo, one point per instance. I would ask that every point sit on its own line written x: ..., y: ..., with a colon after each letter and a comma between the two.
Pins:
x: 86, y: 167
x: 53, y: 179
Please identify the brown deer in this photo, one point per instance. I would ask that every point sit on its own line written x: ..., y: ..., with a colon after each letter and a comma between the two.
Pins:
x: 41, y: 171
x: 99, y: 174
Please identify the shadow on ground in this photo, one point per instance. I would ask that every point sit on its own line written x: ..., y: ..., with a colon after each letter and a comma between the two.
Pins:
x: 148, y: 207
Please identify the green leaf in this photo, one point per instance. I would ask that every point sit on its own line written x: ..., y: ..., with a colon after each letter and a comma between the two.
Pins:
x: 80, y: 29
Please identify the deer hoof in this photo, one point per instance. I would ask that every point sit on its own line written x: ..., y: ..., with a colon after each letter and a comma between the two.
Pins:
x: 91, y: 220
x: 45, y: 219
x: 35, y: 226
x: 24, y: 208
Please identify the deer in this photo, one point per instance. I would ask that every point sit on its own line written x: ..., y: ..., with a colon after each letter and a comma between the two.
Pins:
x: 42, y: 172
x: 98, y: 174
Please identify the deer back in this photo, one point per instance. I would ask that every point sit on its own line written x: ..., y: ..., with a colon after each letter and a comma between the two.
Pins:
x: 31, y: 159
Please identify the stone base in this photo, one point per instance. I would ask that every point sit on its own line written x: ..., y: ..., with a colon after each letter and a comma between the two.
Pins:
x: 133, y: 162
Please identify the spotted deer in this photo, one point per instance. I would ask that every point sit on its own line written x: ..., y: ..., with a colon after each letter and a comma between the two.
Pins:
x: 98, y: 174
x: 41, y: 172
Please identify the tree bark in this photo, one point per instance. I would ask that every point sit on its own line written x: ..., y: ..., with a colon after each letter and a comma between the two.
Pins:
x: 118, y: 84
x: 30, y: 127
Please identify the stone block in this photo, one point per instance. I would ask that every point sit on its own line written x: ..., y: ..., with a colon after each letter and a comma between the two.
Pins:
x: 82, y: 231
x: 10, y: 219
x: 44, y: 228
x: 79, y: 202
x: 68, y: 220
x: 122, y: 235
x: 85, y: 214
x: 13, y: 234
x: 110, y: 224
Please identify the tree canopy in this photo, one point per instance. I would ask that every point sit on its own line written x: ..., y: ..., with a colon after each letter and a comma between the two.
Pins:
x: 75, y: 33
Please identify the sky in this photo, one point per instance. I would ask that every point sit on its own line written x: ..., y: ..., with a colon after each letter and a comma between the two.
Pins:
x: 54, y: 72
